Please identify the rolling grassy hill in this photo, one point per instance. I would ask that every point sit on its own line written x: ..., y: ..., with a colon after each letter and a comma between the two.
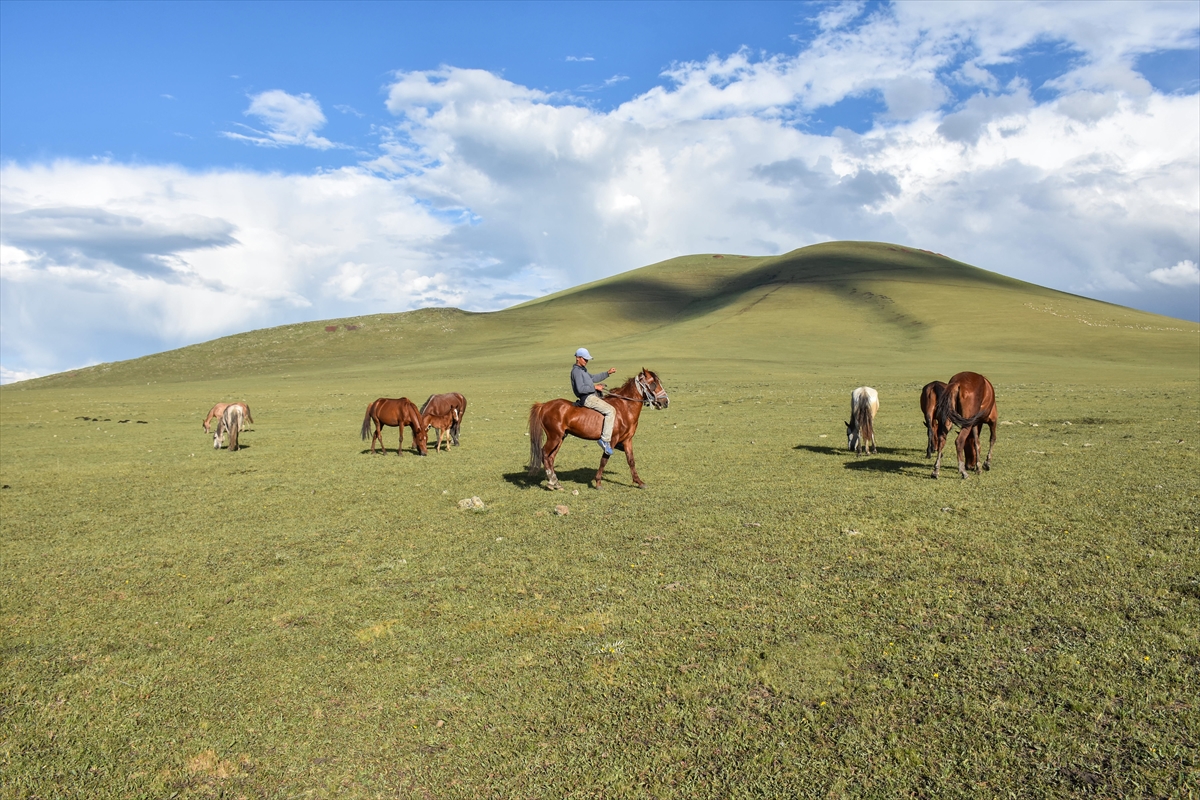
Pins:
x: 772, y: 617
x: 818, y: 307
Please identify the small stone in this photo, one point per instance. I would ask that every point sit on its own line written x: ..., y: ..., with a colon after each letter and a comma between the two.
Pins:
x: 575, y: 492
x: 470, y: 502
x: 562, y: 511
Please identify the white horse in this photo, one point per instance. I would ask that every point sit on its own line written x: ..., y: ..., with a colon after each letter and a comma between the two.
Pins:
x: 860, y: 430
x: 231, y: 424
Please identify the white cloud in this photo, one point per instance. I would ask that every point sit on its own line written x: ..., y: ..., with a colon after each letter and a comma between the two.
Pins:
x: 14, y: 375
x: 290, y: 120
x: 1185, y: 273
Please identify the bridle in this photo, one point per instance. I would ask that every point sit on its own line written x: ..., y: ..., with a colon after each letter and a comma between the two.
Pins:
x: 650, y: 396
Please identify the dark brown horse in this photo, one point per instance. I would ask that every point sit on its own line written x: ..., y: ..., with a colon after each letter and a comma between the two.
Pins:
x: 968, y: 401
x: 557, y: 419
x: 930, y: 394
x: 441, y: 405
x: 395, y: 414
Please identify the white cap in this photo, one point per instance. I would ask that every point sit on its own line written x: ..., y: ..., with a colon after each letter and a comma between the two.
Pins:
x: 583, y: 353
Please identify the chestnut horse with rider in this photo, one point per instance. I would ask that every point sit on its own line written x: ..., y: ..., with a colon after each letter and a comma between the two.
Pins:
x: 553, y: 421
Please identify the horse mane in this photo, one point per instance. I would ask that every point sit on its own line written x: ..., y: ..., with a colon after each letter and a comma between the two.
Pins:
x: 629, y: 385
x: 425, y: 405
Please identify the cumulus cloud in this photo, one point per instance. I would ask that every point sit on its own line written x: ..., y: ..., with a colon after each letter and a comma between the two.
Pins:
x: 485, y: 192
x: 1185, y: 273
x: 289, y: 119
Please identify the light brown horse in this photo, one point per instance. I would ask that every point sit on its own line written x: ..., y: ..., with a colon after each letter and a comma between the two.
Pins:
x: 930, y: 394
x: 395, y: 414
x: 443, y: 424
x: 216, y: 411
x: 556, y: 419
x: 442, y: 404
x: 968, y: 401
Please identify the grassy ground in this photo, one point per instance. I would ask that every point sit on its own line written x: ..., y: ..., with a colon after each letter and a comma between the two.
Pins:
x: 772, y: 617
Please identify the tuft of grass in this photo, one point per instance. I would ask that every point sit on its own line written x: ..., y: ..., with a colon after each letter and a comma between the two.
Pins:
x: 772, y: 617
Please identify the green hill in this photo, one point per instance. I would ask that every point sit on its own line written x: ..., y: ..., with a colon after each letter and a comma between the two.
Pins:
x: 825, y: 306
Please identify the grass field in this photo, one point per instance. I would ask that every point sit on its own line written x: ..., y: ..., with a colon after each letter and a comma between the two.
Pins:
x: 772, y: 617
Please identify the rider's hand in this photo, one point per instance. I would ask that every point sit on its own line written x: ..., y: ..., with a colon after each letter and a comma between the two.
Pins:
x: 611, y: 370
x: 599, y: 387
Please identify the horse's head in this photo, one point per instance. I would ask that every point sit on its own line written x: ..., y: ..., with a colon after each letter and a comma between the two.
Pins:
x: 851, y: 436
x: 653, y: 393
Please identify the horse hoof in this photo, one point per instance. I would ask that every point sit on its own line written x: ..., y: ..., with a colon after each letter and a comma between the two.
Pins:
x: 988, y: 467
x: 641, y: 486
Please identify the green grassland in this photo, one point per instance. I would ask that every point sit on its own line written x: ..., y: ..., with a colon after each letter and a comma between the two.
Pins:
x: 772, y: 617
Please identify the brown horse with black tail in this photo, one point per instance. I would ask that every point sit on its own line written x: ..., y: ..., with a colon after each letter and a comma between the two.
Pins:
x: 442, y: 405
x: 968, y: 401
x: 553, y: 421
x: 394, y: 413
x: 930, y: 394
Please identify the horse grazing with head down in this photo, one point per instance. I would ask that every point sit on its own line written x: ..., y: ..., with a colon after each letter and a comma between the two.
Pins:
x: 860, y: 430
x: 216, y: 411
x: 233, y: 419
x: 968, y: 401
x: 394, y: 414
x: 442, y: 405
x: 553, y: 421
x: 930, y: 394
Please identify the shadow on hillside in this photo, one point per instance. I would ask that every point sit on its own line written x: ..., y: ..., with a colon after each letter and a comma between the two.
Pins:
x: 829, y: 267
x: 581, y: 476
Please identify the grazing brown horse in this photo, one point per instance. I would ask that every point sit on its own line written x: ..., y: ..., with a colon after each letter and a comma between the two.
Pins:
x: 556, y: 419
x: 968, y: 401
x: 395, y: 414
x: 216, y: 411
x: 930, y: 394
x: 443, y: 424
x: 441, y: 404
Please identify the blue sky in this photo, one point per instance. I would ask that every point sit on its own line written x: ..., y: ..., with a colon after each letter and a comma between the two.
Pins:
x: 172, y: 172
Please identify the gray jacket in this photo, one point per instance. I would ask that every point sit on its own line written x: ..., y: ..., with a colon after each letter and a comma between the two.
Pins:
x: 583, y: 383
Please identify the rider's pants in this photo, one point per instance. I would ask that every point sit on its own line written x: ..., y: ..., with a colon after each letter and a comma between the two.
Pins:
x: 594, y: 402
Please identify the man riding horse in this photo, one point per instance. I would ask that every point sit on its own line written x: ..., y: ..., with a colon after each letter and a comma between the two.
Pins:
x: 588, y: 391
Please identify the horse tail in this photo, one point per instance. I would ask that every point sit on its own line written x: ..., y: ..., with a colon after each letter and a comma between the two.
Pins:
x: 536, y: 432
x: 425, y: 405
x: 366, y: 426
x: 864, y: 422
x: 946, y: 413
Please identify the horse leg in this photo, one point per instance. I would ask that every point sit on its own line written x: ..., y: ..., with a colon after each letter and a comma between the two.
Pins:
x: 940, y: 442
x: 960, y: 443
x: 637, y: 479
x: 549, y: 452
x: 374, y: 436
x: 600, y: 472
x: 991, y: 427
